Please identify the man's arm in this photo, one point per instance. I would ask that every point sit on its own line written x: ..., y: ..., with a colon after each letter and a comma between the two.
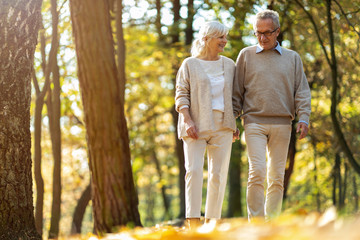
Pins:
x: 238, y: 85
x: 302, y: 99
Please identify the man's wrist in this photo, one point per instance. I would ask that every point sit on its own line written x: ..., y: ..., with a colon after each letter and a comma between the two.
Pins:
x: 302, y: 121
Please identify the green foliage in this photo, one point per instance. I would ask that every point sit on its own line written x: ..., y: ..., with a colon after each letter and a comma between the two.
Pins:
x: 151, y: 66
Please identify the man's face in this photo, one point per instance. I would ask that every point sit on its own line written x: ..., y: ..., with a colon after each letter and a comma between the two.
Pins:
x: 266, y: 33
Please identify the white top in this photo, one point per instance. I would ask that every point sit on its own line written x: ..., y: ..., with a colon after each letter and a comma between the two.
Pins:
x: 215, y: 72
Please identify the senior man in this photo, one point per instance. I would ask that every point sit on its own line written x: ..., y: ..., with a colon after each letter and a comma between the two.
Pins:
x: 270, y: 87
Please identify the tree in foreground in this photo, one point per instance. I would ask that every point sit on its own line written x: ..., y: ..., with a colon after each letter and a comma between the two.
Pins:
x: 19, y: 24
x: 114, y: 195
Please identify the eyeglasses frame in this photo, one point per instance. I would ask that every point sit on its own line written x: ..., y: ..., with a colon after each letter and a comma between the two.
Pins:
x: 266, y: 34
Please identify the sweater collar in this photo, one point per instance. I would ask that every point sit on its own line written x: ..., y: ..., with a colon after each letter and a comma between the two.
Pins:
x: 259, y: 49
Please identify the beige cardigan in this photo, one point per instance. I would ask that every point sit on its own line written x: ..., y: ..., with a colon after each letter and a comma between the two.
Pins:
x: 193, y: 89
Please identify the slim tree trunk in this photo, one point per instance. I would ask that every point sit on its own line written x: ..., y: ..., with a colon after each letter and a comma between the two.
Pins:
x: 189, y: 31
x: 179, y: 149
x: 336, y: 179
x: 175, y: 29
x: 175, y: 36
x: 317, y: 190
x: 79, y: 212
x: 291, y: 159
x: 235, y: 197
x: 356, y: 195
x: 163, y: 187
x: 158, y: 24
x: 19, y: 24
x: 342, y: 194
x: 114, y: 195
x: 53, y: 107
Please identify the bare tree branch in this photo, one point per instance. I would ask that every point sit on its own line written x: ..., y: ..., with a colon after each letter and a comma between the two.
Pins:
x: 347, y: 19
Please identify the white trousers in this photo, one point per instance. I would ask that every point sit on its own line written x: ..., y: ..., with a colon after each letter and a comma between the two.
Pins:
x: 218, y: 144
x: 275, y: 140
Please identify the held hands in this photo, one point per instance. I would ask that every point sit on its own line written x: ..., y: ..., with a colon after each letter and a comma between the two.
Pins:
x: 303, y: 128
x: 236, y: 135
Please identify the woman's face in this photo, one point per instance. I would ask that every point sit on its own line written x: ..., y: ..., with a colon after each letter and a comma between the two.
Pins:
x: 217, y: 44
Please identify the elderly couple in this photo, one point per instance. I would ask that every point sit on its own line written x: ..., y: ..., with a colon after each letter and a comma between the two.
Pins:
x: 266, y: 87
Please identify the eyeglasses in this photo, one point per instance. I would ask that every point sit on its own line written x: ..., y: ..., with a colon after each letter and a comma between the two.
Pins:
x: 266, y: 34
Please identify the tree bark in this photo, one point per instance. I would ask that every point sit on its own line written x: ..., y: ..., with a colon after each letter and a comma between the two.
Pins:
x: 53, y: 107
x: 189, y: 31
x: 158, y: 24
x: 175, y: 36
x: 114, y: 195
x: 291, y: 159
x: 79, y: 212
x: 356, y: 195
x: 179, y: 149
x: 19, y: 24
x: 121, y: 51
x: 235, y: 197
x: 175, y: 29
x: 163, y: 187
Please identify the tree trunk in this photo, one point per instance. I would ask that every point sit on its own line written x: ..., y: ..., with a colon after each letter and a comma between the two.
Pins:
x: 317, y: 190
x: 175, y: 29
x: 37, y: 159
x: 19, y: 24
x: 163, y: 187
x: 121, y: 51
x: 334, y: 95
x: 291, y: 159
x: 235, y: 197
x: 189, y: 31
x: 53, y: 107
x: 79, y: 212
x: 342, y: 194
x: 356, y: 195
x: 179, y: 149
x: 114, y: 195
x: 158, y: 24
x: 175, y: 36
x: 336, y: 179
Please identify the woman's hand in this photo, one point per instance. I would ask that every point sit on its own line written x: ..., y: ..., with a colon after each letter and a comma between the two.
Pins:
x: 191, y: 129
x: 189, y: 124
x: 236, y: 135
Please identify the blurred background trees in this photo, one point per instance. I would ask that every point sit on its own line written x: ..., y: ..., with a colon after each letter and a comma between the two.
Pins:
x: 322, y: 169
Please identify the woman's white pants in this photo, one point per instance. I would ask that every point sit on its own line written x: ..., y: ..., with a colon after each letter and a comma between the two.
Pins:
x: 218, y: 144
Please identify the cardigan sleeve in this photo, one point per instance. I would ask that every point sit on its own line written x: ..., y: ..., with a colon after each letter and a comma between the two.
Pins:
x: 302, y: 93
x: 182, y: 92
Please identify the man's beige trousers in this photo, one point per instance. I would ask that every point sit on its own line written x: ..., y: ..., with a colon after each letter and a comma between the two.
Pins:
x: 218, y: 144
x: 273, y: 141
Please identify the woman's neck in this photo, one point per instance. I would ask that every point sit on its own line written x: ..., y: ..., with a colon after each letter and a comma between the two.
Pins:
x: 210, y: 57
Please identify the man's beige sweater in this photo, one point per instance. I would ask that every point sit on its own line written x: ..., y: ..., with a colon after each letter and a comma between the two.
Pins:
x: 193, y: 89
x: 270, y: 88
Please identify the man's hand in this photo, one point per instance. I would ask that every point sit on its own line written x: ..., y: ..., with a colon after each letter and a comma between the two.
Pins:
x: 236, y: 135
x: 303, y: 128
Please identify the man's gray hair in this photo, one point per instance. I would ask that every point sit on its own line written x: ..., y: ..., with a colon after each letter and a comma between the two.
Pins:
x: 268, y: 14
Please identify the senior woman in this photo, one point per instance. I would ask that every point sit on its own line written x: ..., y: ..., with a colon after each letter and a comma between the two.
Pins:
x: 206, y: 121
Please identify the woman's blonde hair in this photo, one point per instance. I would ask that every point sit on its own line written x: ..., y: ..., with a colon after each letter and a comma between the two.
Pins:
x: 208, y: 30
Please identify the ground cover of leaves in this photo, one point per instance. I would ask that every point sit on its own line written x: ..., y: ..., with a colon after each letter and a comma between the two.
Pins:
x: 313, y: 226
